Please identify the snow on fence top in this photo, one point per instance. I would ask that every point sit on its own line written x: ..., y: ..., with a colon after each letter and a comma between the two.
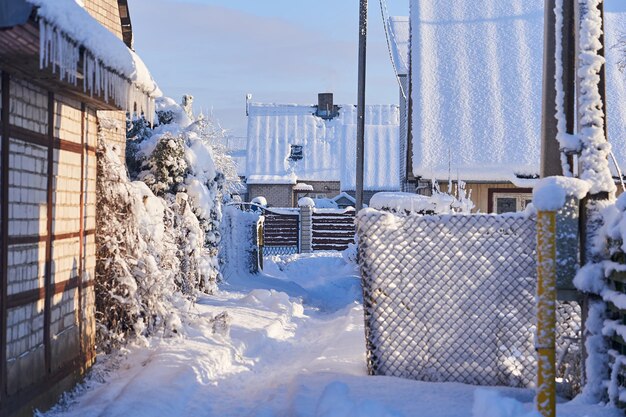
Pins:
x: 478, y: 65
x: 400, y: 33
x: 110, y: 69
x: 289, y: 139
x: 550, y: 193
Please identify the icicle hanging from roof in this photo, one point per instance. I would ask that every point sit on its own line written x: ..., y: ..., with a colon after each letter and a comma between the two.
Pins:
x: 61, y: 53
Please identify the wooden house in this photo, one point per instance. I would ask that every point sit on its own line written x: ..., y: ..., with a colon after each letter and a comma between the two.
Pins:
x: 297, y: 151
x: 475, y: 84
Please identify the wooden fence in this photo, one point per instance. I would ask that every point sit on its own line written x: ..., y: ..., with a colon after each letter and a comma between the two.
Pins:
x: 333, y: 229
x: 281, y: 231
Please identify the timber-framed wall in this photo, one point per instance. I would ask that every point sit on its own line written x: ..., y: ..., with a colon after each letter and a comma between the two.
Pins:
x: 47, y: 243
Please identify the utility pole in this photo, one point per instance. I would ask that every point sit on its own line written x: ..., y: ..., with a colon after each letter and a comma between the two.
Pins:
x: 550, y: 152
x: 360, y: 127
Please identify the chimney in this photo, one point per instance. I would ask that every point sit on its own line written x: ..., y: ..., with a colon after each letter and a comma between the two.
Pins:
x: 325, y: 107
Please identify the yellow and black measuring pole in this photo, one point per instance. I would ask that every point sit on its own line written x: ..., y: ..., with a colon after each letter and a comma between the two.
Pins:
x: 546, y: 313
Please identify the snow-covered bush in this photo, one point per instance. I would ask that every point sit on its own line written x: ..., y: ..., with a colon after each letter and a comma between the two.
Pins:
x: 136, y: 251
x: 182, y: 156
x: 158, y: 235
x: 605, y: 366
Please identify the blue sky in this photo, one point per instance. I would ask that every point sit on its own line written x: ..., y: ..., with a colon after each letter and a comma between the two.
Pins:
x: 280, y: 51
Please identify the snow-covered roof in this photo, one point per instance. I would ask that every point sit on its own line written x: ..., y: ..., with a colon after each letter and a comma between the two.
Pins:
x: 271, y: 179
x: 111, y: 69
x: 328, y: 146
x: 615, y: 28
x: 303, y: 186
x: 399, y: 34
x: 477, y: 71
x: 345, y: 195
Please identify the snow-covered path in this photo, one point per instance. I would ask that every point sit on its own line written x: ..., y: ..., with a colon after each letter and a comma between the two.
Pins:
x: 292, y: 344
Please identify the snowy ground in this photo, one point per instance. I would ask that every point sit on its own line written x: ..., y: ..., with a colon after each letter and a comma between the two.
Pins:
x: 293, y: 346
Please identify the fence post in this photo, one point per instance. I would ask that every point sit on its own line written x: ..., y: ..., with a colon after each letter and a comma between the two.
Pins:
x: 306, y: 224
x: 546, y: 313
x: 260, y: 240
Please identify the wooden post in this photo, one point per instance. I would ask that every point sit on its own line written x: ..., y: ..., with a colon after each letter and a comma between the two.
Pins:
x: 550, y: 152
x: 48, y: 285
x: 590, y: 221
x: 306, y: 225
x: 81, y: 237
x: 360, y: 127
x: 4, y: 228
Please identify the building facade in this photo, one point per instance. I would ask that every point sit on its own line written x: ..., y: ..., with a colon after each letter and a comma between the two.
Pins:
x: 50, y: 127
x: 296, y: 151
x: 474, y: 111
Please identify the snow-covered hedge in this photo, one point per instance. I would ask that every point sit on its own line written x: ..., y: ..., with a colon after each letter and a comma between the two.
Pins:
x: 605, y: 366
x: 159, y: 234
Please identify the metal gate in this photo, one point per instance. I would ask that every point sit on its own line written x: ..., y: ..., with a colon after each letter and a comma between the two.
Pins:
x: 281, y: 231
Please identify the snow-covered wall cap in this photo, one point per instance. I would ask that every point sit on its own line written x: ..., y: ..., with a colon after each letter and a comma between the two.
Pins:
x: 260, y: 200
x: 303, y: 187
x: 550, y: 193
x: 272, y: 179
x: 306, y: 202
x: 60, y: 19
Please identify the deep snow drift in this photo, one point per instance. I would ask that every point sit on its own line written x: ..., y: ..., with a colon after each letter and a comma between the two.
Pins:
x: 288, y: 343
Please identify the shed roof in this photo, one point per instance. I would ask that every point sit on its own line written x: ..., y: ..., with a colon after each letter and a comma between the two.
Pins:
x: 328, y: 146
x: 476, y: 73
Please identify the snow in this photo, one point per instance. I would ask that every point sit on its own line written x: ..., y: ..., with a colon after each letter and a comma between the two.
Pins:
x: 261, y: 201
x: 328, y: 146
x: 490, y: 403
x: 593, y: 159
x: 437, y: 202
x: 325, y: 203
x: 402, y: 201
x: 345, y: 195
x: 289, y: 342
x: 272, y: 179
x: 110, y: 68
x: 550, y: 193
x: 303, y: 187
x: 614, y: 23
x: 306, y: 202
x: 479, y: 69
x: 400, y: 34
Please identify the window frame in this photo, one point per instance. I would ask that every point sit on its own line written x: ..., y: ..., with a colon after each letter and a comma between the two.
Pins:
x: 520, y: 194
x: 298, y: 155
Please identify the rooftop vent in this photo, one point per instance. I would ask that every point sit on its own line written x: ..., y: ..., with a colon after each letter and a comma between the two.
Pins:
x: 325, y: 107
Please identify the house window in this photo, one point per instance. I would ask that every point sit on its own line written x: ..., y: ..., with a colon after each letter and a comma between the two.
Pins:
x: 510, y: 202
x: 296, y: 153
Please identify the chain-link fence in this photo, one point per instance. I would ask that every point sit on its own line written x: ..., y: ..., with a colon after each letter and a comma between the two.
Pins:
x: 278, y: 250
x: 452, y: 298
